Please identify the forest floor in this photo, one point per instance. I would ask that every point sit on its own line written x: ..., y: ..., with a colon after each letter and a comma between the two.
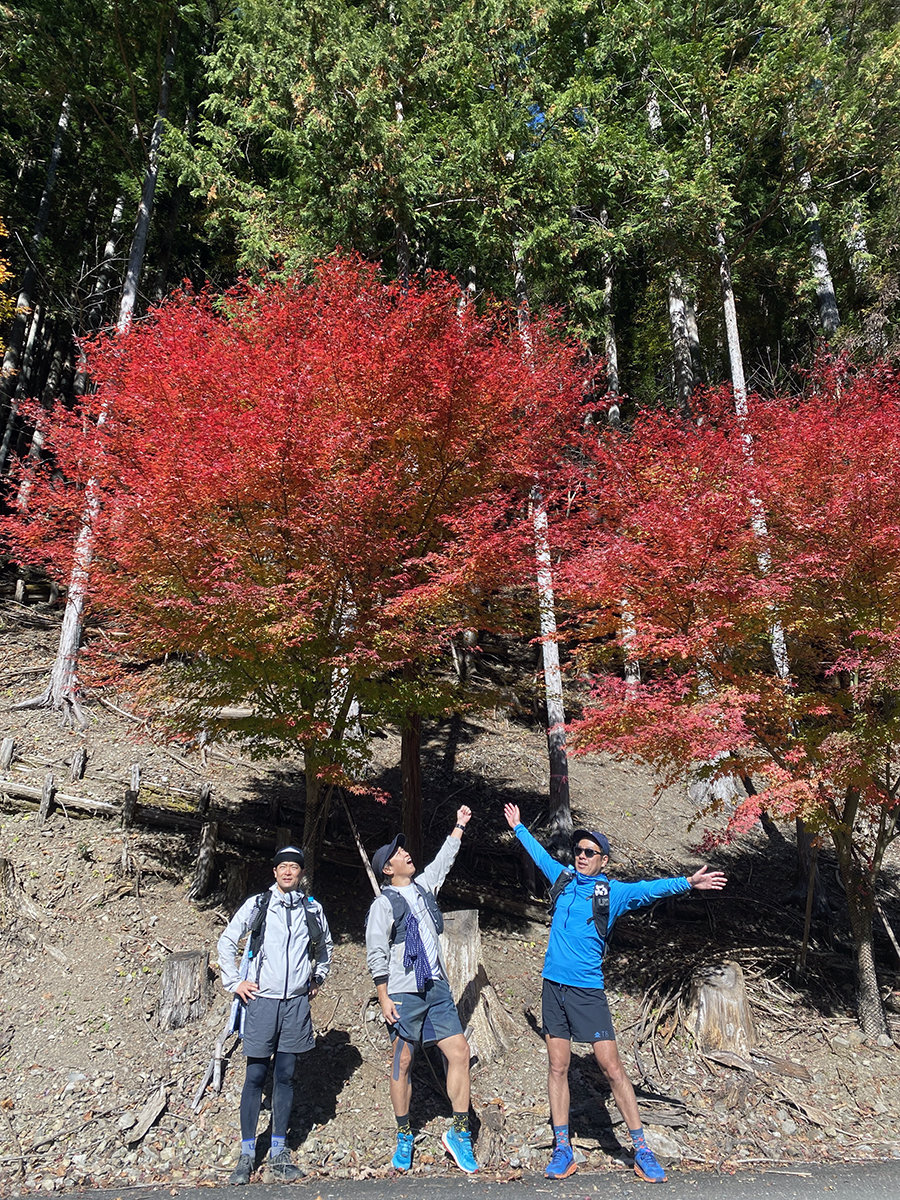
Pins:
x: 81, y: 1052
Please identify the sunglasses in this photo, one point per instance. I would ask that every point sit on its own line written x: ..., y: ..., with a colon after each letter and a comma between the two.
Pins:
x: 586, y: 852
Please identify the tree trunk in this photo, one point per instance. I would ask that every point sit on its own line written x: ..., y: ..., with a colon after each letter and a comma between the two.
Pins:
x: 62, y: 690
x: 206, y: 861
x: 719, y: 1014
x: 861, y: 909
x: 490, y: 1030
x: 318, y: 806
x: 184, y: 988
x: 681, y: 346
x: 610, y: 346
x: 560, y: 811
x: 411, y: 775
x: 826, y: 302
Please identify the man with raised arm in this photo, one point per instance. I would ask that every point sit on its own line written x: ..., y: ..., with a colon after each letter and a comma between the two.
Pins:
x: 585, y: 905
x: 285, y: 960
x: 404, y: 955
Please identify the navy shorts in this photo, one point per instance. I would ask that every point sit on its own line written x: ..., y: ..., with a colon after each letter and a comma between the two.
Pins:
x: 426, y: 1017
x: 271, y: 1025
x: 579, y: 1014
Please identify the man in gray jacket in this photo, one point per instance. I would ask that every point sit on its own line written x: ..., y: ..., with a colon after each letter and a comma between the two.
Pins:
x: 285, y: 961
x: 404, y: 955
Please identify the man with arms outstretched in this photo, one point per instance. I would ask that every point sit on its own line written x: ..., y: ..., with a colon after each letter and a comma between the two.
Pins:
x: 404, y: 956
x: 573, y: 997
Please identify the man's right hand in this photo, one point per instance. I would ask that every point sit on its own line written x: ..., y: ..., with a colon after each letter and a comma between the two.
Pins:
x: 245, y: 989
x: 389, y: 1011
x: 511, y: 812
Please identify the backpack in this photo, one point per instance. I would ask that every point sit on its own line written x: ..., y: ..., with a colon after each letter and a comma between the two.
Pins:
x: 599, y: 900
x: 257, y: 929
x: 400, y: 909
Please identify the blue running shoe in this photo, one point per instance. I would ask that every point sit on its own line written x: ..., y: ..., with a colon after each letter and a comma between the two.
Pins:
x: 402, y: 1159
x: 459, y: 1147
x: 562, y: 1163
x: 647, y: 1168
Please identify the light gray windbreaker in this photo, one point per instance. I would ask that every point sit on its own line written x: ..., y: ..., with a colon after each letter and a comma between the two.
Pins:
x: 386, y: 961
x: 283, y: 967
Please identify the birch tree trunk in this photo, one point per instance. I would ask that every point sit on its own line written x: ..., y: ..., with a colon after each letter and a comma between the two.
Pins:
x: 610, y: 346
x: 411, y: 777
x: 560, y: 810
x: 61, y: 692
x: 826, y: 302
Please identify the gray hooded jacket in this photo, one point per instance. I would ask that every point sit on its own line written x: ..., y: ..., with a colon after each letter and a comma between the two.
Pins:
x: 386, y: 961
x: 283, y: 967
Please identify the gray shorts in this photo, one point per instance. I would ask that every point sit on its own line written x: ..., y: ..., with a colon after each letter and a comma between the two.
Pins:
x: 576, y: 1013
x: 271, y: 1025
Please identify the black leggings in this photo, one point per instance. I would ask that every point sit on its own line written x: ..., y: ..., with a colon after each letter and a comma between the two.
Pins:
x: 282, y: 1094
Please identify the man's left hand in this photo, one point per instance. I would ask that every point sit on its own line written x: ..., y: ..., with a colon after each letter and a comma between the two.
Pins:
x: 705, y: 880
x: 463, y: 815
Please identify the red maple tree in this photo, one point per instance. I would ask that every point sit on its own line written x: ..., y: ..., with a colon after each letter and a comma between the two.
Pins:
x: 304, y: 490
x: 672, y: 536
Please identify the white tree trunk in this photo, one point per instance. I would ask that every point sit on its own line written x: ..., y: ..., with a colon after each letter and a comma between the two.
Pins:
x: 560, y: 805
x: 610, y: 346
x: 62, y: 690
x: 826, y: 302
x: 682, y: 359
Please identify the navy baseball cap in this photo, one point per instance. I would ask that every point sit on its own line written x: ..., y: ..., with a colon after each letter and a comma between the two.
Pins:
x: 289, y: 854
x: 384, y: 853
x: 600, y: 838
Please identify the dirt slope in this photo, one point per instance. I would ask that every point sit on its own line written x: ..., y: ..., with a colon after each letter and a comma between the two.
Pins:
x: 98, y: 911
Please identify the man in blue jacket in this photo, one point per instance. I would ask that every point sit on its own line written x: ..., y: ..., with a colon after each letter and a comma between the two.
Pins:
x: 574, y: 999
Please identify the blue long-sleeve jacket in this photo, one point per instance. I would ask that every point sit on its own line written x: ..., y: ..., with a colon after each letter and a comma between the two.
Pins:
x: 575, y: 949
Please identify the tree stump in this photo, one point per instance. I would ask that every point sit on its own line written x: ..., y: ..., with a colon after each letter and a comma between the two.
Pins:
x: 46, y: 798
x: 490, y: 1030
x: 204, y: 799
x: 206, y: 861
x: 7, y: 753
x: 78, y: 765
x: 236, y: 885
x: 719, y: 1014
x: 184, y: 988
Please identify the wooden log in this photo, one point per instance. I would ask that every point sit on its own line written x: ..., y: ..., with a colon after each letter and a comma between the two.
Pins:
x: 27, y: 792
x: 490, y: 1030
x: 14, y: 903
x: 7, y: 753
x: 78, y: 765
x: 206, y: 861
x: 184, y: 988
x: 719, y: 1014
x: 47, y: 792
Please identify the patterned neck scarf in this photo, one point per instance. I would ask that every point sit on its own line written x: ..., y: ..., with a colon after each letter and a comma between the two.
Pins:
x: 414, y: 956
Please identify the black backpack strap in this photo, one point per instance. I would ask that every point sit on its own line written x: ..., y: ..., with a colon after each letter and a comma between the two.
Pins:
x: 431, y: 906
x: 600, y: 907
x: 400, y: 909
x: 314, y: 929
x: 257, y: 927
x: 560, y: 883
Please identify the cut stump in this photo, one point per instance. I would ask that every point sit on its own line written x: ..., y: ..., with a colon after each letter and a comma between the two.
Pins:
x: 490, y: 1030
x: 719, y: 1014
x: 184, y: 988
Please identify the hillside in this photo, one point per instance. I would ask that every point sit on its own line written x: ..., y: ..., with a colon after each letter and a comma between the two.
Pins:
x: 95, y: 912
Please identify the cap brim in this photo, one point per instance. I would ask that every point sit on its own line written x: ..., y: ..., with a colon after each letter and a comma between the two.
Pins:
x: 580, y: 833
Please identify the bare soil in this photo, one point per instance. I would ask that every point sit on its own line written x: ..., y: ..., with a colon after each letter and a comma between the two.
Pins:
x: 80, y: 1047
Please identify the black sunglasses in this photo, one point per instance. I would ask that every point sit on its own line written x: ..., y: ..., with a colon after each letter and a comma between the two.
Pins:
x: 586, y: 852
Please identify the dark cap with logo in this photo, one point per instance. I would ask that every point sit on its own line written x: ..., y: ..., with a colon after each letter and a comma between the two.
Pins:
x: 289, y: 854
x: 600, y: 838
x: 384, y: 853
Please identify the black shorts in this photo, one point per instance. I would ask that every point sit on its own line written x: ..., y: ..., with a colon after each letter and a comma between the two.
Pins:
x: 578, y: 1014
x: 271, y: 1025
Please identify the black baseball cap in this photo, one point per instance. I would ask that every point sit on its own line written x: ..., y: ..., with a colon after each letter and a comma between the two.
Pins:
x: 289, y: 854
x: 384, y: 853
x: 600, y: 838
